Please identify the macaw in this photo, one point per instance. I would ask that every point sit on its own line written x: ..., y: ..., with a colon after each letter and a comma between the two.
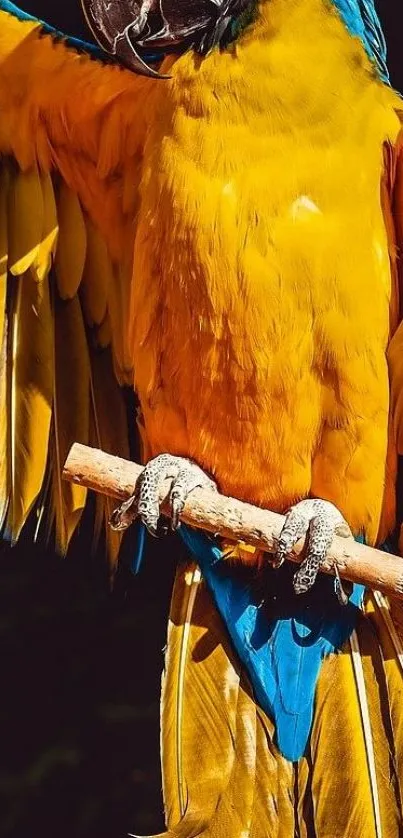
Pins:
x: 209, y: 209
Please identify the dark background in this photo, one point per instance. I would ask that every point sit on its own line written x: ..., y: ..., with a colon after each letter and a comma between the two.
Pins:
x: 81, y: 666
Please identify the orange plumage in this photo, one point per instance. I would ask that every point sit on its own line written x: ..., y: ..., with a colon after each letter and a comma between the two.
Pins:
x: 261, y: 311
x: 227, y: 241
x: 264, y: 290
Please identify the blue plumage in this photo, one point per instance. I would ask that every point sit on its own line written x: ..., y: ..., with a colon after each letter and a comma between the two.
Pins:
x: 282, y: 646
x: 362, y: 21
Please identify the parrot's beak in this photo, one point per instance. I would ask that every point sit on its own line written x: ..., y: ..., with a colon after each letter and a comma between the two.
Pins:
x: 142, y: 33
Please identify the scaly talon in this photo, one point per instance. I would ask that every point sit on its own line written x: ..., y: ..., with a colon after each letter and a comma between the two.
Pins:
x: 185, y: 476
x: 320, y: 520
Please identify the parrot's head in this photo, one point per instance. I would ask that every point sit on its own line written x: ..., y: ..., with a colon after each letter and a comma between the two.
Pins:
x: 141, y: 32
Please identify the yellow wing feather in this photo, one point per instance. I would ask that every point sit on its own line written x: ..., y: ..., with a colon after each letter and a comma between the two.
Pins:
x: 72, y: 244
x: 118, y: 310
x: 31, y: 394
x: 98, y: 281
x: 3, y: 237
x: 108, y: 431
x: 25, y: 222
x: 103, y: 335
x: 47, y: 247
x: 71, y: 413
x: 71, y: 138
x: 4, y: 459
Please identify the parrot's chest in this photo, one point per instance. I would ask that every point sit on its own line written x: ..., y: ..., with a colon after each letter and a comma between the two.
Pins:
x: 264, y: 304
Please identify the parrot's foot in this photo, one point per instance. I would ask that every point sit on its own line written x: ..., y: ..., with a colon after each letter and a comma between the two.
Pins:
x: 320, y: 521
x: 145, y: 503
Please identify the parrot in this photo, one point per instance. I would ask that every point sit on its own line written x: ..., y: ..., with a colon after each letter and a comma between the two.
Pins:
x: 205, y: 204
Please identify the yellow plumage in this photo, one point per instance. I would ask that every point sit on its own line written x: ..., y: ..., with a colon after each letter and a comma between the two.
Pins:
x: 47, y: 247
x: 4, y: 459
x: 328, y: 793
x: 285, y: 264
x: 231, y: 237
x: 71, y: 413
x: 53, y: 182
x: 72, y: 243
x: 108, y: 431
x: 3, y: 239
x: 119, y: 291
x: 25, y: 220
x: 209, y: 746
x: 97, y: 282
x: 29, y: 398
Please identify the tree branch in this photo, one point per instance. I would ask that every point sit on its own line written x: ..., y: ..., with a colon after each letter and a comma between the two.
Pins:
x: 235, y: 520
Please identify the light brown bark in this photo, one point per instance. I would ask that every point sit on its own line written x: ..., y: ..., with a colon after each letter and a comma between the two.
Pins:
x: 236, y: 520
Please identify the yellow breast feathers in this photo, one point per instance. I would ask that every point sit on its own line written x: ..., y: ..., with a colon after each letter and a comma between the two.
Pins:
x: 263, y: 284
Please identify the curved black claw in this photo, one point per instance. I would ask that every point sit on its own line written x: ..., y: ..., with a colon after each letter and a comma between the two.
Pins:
x: 342, y: 594
x: 145, y: 502
x: 125, y: 514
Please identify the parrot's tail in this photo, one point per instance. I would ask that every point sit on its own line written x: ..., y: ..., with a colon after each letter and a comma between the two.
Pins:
x: 223, y: 775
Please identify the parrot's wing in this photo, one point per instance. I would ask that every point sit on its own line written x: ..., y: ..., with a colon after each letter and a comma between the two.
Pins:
x: 71, y: 137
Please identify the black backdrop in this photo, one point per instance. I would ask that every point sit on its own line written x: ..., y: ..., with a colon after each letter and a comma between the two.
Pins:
x: 80, y: 667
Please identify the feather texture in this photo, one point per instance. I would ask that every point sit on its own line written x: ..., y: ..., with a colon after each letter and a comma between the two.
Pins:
x: 383, y: 615
x: 119, y: 312
x: 26, y: 220
x: 329, y: 792
x: 4, y: 413
x: 71, y: 134
x: 241, y: 319
x: 4, y: 184
x: 108, y: 431
x: 71, y: 414
x: 197, y: 732
x: 47, y: 247
x: 346, y: 798
x: 282, y: 646
x: 157, y: 174
x: 363, y: 22
x: 72, y: 244
x: 4, y: 417
x: 98, y: 281
x: 222, y: 775
x: 366, y: 731
x: 31, y: 393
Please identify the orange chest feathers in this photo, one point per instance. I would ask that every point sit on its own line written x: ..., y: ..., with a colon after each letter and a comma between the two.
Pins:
x: 262, y: 291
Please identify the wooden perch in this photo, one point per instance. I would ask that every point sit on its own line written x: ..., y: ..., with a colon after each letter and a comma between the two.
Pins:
x: 235, y: 520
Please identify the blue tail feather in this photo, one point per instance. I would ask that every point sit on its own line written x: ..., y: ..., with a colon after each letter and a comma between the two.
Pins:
x: 282, y: 652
